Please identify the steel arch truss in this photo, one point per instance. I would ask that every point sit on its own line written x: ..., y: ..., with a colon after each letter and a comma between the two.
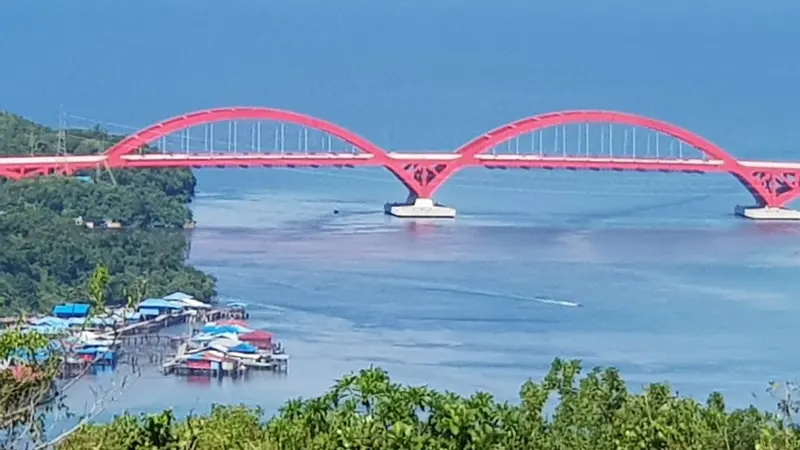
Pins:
x: 771, y: 184
x: 468, y: 154
x: 150, y: 134
x: 774, y: 187
x: 28, y: 172
x: 132, y: 143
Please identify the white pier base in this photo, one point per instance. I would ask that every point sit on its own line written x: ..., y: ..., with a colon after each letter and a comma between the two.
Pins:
x: 767, y: 213
x: 419, y: 208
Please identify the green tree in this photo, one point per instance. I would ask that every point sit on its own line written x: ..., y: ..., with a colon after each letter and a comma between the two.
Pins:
x: 368, y: 411
x: 30, y: 392
x: 26, y: 384
x: 47, y: 257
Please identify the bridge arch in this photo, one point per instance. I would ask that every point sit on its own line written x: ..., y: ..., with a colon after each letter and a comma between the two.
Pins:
x: 150, y: 134
x: 520, y: 127
x: 765, y: 186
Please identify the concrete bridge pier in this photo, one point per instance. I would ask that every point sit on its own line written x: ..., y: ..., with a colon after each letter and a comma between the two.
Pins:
x: 767, y: 213
x: 416, y: 207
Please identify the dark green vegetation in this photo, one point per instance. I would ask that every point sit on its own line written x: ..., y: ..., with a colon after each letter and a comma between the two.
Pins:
x: 45, y: 258
x: 369, y: 412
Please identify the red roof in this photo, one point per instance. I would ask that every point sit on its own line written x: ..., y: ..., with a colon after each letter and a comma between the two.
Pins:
x: 257, y: 335
x: 198, y: 364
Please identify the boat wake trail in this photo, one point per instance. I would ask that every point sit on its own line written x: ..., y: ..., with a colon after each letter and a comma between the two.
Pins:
x: 551, y: 301
x: 538, y: 299
x: 415, y: 283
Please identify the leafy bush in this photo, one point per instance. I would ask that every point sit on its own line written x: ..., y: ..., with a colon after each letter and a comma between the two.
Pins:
x: 368, y: 411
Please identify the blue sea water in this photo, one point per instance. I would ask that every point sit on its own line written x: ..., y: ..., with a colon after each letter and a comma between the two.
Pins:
x: 672, y: 287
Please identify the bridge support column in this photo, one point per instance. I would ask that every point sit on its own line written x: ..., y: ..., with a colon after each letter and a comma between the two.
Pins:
x: 416, y: 207
x: 767, y: 213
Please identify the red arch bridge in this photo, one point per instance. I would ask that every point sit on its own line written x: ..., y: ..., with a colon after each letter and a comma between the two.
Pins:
x: 571, y: 140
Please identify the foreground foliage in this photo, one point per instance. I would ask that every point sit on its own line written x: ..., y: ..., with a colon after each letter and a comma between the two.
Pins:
x: 46, y: 258
x: 26, y: 391
x: 31, y: 393
x: 369, y: 411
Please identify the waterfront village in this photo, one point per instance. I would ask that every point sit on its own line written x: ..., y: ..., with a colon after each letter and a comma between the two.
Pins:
x: 218, y: 342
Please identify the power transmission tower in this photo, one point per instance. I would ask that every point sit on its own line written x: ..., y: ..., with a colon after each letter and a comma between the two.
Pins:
x: 33, y: 143
x: 61, y: 140
x: 103, y: 166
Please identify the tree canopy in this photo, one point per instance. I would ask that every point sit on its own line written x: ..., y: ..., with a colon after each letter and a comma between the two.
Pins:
x: 47, y: 257
x: 369, y: 411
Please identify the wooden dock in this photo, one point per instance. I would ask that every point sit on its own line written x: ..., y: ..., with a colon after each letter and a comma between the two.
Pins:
x: 223, y: 365
x: 276, y: 363
x: 140, y: 341
x: 222, y: 313
x: 151, y: 340
x: 225, y: 369
x: 162, y: 321
x: 192, y: 316
x: 181, y: 368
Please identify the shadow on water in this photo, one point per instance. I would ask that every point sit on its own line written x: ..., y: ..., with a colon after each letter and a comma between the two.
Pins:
x: 773, y: 229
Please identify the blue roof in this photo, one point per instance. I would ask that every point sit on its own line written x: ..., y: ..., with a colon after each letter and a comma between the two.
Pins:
x: 219, y: 329
x: 160, y: 303
x: 178, y: 296
x: 39, y: 355
x: 26, y: 356
x: 79, y: 309
x: 149, y: 312
x: 244, y: 347
x: 92, y: 349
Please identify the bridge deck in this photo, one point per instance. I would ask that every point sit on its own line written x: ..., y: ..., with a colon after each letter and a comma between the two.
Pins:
x: 489, y: 160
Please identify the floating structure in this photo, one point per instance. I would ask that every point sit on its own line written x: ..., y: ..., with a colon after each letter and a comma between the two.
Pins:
x: 91, y: 339
x: 227, y: 348
x: 260, y: 339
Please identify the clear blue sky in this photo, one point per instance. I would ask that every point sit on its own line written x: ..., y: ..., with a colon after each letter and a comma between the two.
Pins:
x: 727, y: 69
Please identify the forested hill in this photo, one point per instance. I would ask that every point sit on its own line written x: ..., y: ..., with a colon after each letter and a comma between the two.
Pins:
x: 46, y: 257
x: 140, y: 197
